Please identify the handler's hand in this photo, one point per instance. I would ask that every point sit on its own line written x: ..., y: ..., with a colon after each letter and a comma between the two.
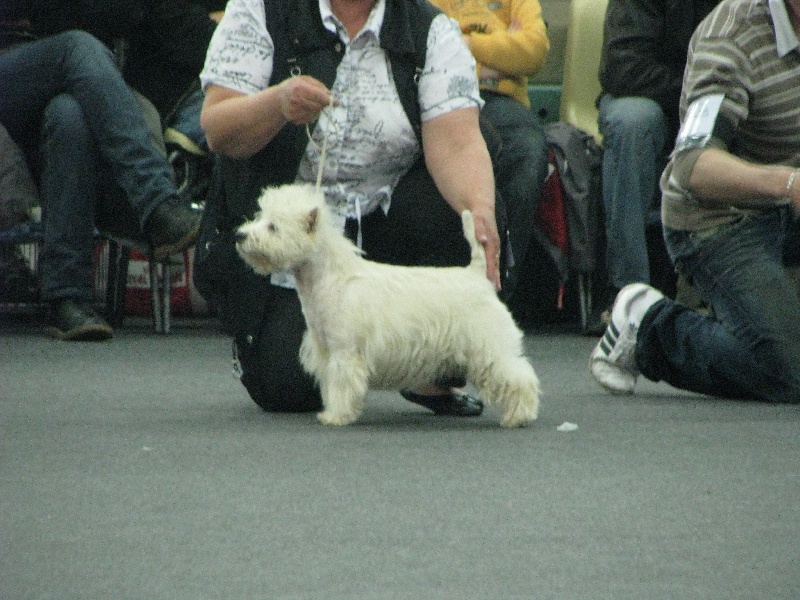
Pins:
x: 487, y: 236
x: 303, y: 98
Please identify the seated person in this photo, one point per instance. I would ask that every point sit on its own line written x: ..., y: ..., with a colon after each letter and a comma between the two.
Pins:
x: 509, y: 42
x: 405, y: 156
x: 160, y: 46
x: 641, y: 68
x: 83, y: 120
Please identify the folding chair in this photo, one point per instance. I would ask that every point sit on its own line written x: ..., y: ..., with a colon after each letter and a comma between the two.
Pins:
x: 579, y: 92
x: 581, y: 83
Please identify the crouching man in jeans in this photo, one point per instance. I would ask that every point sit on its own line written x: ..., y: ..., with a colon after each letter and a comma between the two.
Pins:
x: 730, y: 192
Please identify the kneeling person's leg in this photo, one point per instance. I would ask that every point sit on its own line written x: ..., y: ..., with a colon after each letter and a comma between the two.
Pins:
x: 269, y: 330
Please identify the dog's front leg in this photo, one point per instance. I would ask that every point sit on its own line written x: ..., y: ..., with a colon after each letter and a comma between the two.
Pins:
x: 343, y: 387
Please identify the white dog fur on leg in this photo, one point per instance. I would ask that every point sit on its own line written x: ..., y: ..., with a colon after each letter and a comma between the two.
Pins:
x: 378, y: 326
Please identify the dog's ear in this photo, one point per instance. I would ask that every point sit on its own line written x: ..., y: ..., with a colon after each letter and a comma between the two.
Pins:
x: 311, y: 223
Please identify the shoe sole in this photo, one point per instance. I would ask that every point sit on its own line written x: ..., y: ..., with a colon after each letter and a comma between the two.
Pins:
x: 611, y: 390
x: 443, y: 405
x: 83, y: 333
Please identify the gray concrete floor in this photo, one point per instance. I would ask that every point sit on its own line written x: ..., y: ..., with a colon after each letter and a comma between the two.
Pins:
x: 140, y: 469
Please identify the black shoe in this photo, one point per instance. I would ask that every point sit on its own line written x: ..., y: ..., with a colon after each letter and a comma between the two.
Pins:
x: 74, y: 321
x: 600, y: 317
x: 452, y: 404
x: 172, y: 228
x: 597, y: 323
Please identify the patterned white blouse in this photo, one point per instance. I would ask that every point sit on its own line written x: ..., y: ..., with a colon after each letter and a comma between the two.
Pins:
x: 370, y: 141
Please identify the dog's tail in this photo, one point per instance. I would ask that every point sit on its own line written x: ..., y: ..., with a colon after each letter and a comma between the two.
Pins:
x: 478, y: 255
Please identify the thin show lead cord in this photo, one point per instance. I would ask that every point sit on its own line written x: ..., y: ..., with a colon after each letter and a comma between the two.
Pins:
x: 323, y: 151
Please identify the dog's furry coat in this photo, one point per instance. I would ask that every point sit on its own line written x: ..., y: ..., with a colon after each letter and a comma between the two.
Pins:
x: 372, y: 325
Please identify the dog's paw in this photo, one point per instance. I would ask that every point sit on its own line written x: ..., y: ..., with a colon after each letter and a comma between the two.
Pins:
x: 511, y: 421
x: 520, y: 415
x: 328, y: 417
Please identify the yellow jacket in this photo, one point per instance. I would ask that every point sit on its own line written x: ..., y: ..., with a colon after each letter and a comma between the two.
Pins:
x: 508, y: 39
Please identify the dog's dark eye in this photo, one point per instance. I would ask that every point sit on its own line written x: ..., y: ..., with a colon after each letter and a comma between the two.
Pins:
x: 272, y: 228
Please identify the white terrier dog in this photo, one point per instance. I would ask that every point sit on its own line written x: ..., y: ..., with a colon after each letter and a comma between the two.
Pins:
x: 378, y: 326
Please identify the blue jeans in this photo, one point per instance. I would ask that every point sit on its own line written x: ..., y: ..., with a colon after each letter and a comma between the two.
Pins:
x: 187, y: 119
x: 750, y: 347
x: 65, y: 102
x: 520, y: 170
x: 634, y: 137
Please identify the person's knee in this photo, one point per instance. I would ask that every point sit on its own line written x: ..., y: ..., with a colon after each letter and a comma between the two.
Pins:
x: 274, y: 379
x: 523, y: 152
x: 525, y: 143
x: 83, y: 45
x: 63, y: 112
x: 276, y: 393
x: 632, y: 117
x: 64, y: 127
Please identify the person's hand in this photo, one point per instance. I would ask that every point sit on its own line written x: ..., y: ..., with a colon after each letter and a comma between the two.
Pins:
x: 487, y: 236
x: 490, y: 73
x: 303, y: 98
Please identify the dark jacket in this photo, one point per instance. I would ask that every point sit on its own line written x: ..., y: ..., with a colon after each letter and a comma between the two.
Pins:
x: 644, y: 48
x: 166, y: 53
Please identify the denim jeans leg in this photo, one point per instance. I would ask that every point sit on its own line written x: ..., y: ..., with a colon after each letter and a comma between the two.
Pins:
x: 521, y: 168
x: 634, y: 135
x: 74, y: 62
x: 69, y: 190
x: 750, y: 348
x: 187, y: 119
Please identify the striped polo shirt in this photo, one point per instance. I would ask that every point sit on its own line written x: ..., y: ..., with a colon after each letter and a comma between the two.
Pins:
x: 747, y: 51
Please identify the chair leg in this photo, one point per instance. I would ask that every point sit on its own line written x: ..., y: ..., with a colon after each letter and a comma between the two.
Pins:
x: 160, y: 294
x: 118, y: 257
x: 155, y: 296
x: 166, y: 290
x: 585, y: 298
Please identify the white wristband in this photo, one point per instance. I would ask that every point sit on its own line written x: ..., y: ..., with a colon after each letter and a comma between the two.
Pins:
x: 787, y: 196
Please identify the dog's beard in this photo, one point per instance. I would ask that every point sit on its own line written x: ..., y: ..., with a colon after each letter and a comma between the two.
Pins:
x: 257, y: 261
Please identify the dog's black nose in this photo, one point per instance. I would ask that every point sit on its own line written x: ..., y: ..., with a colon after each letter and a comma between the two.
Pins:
x: 239, y: 236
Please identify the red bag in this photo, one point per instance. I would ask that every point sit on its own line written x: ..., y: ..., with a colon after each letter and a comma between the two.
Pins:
x: 184, y: 299
x: 551, y: 221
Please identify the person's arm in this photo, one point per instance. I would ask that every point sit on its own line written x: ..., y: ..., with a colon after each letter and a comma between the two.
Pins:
x: 721, y: 179
x: 457, y: 158
x: 239, y: 125
x: 518, y: 49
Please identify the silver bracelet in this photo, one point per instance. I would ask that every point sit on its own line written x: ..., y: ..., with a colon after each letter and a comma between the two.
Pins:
x: 787, y: 197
